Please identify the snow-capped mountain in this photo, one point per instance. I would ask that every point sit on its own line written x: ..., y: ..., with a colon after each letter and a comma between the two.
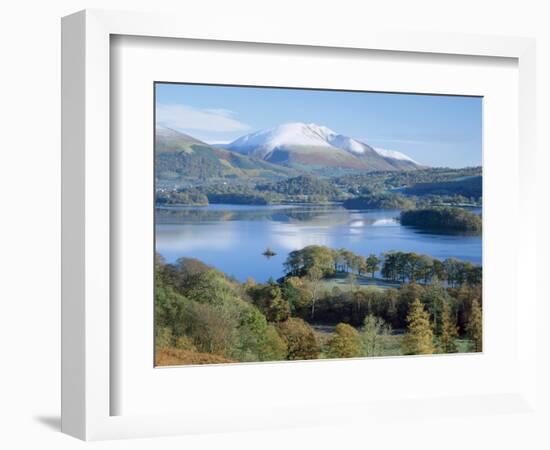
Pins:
x: 290, y: 134
x: 394, y: 155
x: 314, y: 146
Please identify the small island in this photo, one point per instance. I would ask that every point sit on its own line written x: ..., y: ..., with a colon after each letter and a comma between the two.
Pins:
x: 268, y: 253
x: 446, y: 219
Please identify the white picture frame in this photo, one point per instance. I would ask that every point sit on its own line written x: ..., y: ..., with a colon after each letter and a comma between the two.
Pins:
x: 88, y: 387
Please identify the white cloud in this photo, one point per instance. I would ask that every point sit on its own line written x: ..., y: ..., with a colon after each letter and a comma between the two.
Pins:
x: 185, y: 117
x: 221, y: 112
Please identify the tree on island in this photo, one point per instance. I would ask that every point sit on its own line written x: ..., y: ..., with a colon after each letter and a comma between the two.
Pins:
x: 300, y: 262
x: 268, y: 253
x: 419, y: 337
x: 443, y: 219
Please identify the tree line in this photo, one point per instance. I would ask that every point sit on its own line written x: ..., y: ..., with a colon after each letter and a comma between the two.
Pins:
x: 317, y: 261
x: 352, y: 306
x: 375, y: 190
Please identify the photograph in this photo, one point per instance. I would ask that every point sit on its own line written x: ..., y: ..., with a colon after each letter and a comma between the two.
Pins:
x: 300, y: 224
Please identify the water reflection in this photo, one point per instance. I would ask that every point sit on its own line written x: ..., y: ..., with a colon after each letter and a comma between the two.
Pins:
x: 234, y: 238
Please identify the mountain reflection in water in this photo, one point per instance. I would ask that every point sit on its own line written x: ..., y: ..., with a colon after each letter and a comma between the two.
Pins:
x: 232, y: 238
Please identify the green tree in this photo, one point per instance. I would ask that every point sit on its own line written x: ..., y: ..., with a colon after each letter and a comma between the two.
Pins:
x: 433, y: 297
x: 269, y: 300
x: 373, y: 332
x: 184, y: 343
x: 191, y: 266
x: 346, y: 342
x: 219, y: 321
x: 419, y: 337
x: 445, y: 218
x: 406, y: 295
x: 274, y: 347
x: 475, y: 327
x: 213, y: 328
x: 373, y: 264
x: 449, y: 330
x: 295, y: 292
x: 170, y: 308
x: 254, y: 340
x: 299, y: 339
x: 210, y: 287
x: 351, y: 278
x: 314, y: 276
x: 163, y: 337
x: 300, y: 262
x: 425, y: 268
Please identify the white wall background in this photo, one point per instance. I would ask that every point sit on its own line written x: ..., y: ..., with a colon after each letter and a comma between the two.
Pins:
x: 30, y: 197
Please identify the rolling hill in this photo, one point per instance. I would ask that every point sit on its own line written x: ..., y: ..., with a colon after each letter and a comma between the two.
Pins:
x: 181, y: 160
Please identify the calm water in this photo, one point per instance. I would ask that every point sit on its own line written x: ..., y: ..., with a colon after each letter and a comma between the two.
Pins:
x: 233, y: 237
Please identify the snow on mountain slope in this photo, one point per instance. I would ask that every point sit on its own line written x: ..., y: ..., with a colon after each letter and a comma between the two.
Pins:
x: 394, y: 155
x: 301, y: 143
x: 286, y: 135
x: 347, y: 143
x: 291, y: 134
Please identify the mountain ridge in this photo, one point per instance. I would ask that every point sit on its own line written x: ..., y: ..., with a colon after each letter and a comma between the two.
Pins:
x: 301, y: 145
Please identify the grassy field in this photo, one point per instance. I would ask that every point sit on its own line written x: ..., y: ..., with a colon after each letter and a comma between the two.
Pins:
x: 390, y: 345
x: 341, y: 281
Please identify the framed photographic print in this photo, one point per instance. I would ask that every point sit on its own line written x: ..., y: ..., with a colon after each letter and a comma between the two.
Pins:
x: 293, y: 241
x: 324, y: 212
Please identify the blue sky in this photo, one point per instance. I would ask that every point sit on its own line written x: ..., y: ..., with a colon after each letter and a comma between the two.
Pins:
x: 432, y: 129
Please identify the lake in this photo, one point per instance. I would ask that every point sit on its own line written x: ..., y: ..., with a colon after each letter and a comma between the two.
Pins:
x: 232, y: 238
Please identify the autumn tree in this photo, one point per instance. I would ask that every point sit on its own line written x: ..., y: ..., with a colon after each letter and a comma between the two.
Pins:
x: 449, y: 330
x: 362, y: 268
x: 299, y: 339
x: 346, y: 342
x: 475, y: 327
x: 406, y: 295
x: 419, y: 337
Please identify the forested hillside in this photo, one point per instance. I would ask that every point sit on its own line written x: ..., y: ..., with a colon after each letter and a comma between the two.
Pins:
x: 204, y: 317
